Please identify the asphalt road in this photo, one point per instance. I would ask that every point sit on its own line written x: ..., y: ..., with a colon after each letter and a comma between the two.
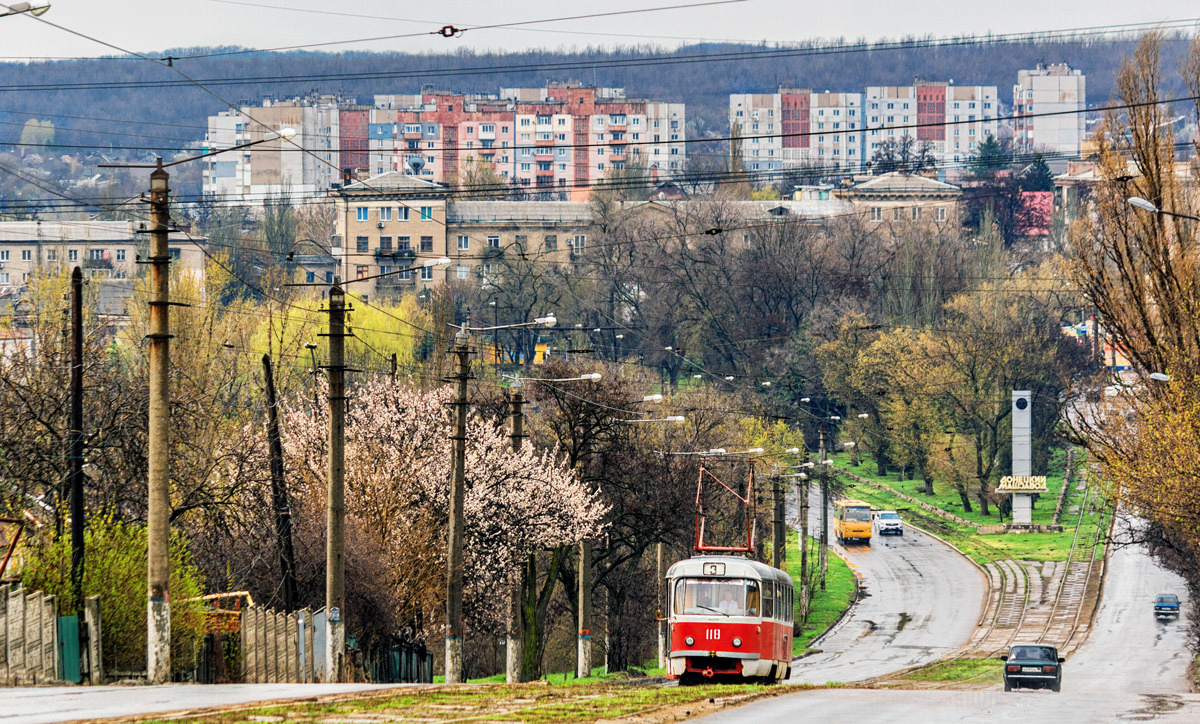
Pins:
x: 36, y: 705
x: 1128, y: 650
x: 864, y: 706
x: 921, y: 602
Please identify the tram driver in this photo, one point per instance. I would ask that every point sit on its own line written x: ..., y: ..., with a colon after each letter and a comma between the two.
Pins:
x: 729, y: 605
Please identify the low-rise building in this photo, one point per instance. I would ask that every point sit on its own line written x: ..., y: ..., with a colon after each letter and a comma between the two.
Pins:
x: 900, y: 197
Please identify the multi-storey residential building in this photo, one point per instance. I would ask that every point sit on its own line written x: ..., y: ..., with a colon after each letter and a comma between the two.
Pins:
x: 842, y: 131
x: 559, y: 140
x: 1050, y: 89
x: 274, y: 166
x: 354, y: 155
x: 106, y: 249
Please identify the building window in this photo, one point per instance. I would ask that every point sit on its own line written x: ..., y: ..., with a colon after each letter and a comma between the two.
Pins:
x: 520, y: 241
x: 941, y: 213
x: 579, y: 242
x: 329, y: 277
x: 385, y: 213
x: 427, y: 273
x: 405, y: 274
x: 385, y: 269
x: 493, y: 242
x: 462, y: 271
x: 551, y: 242
x: 916, y: 213
x: 52, y: 255
x: 361, y: 271
x: 427, y: 243
x: 385, y: 243
x: 96, y: 254
x: 426, y: 213
x: 363, y: 213
x: 402, y: 213
x: 362, y: 245
x: 3, y: 277
x: 464, y: 243
x: 897, y: 214
x: 310, y: 277
x: 72, y: 255
x: 120, y: 255
x: 26, y: 255
x: 173, y: 254
x: 402, y: 243
x: 876, y: 213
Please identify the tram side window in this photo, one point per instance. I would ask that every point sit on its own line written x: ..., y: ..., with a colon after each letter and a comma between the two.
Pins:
x: 752, y: 598
x: 768, y: 588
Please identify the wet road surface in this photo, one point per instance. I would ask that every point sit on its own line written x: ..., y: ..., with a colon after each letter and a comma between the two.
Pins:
x: 1128, y: 650
x: 38, y: 705
x: 921, y: 601
x: 864, y: 706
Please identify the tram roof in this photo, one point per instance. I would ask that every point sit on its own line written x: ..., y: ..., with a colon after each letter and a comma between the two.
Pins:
x: 734, y: 567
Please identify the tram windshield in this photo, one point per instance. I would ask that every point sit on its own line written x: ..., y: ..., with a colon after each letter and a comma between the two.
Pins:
x: 709, y: 597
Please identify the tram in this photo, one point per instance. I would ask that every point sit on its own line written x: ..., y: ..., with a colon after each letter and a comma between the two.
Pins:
x: 729, y: 617
x: 730, y: 620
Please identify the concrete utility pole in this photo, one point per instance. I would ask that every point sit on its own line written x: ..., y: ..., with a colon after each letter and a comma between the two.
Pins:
x: 158, y: 604
x: 335, y: 542
x: 778, y: 537
x: 75, y: 440
x: 513, y: 649
x: 454, y: 547
x: 804, y: 578
x: 279, y: 494
x: 583, y: 664
x: 824, y: 473
x: 660, y: 556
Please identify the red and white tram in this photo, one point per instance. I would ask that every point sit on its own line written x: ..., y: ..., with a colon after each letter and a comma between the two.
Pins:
x: 730, y: 619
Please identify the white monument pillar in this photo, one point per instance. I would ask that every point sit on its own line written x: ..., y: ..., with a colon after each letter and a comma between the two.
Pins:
x: 1022, y: 453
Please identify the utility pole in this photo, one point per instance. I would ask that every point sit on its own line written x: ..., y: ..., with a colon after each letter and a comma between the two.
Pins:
x: 778, y: 538
x: 279, y: 494
x: 158, y: 604
x: 804, y: 578
x: 335, y: 524
x: 513, y: 649
x: 75, y: 439
x: 393, y: 367
x: 660, y: 556
x: 824, y: 553
x: 454, y: 547
x: 583, y: 665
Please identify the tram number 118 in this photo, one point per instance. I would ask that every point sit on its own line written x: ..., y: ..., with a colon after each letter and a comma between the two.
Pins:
x: 712, y: 634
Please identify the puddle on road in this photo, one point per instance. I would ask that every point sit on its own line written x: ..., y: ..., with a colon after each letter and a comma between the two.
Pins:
x: 1155, y: 705
x: 904, y: 619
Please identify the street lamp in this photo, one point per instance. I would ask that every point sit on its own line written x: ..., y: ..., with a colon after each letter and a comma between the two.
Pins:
x: 863, y: 415
x: 36, y: 10
x: 791, y: 451
x: 652, y: 398
x: 586, y: 377
x: 1138, y: 202
x: 1160, y: 377
x: 670, y: 418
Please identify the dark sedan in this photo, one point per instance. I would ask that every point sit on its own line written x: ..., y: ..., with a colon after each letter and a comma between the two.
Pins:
x: 1033, y: 666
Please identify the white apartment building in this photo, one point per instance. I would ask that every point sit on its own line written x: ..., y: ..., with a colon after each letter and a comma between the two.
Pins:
x: 247, y: 176
x: 1050, y: 89
x: 842, y: 131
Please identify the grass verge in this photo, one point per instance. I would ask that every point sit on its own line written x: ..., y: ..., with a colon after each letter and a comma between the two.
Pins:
x: 977, y: 671
x: 536, y: 703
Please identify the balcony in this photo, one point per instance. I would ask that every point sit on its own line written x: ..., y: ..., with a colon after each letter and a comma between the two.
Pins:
x: 412, y: 135
x: 544, y: 154
x: 396, y: 253
x: 486, y: 151
x: 394, y: 282
x: 97, y: 264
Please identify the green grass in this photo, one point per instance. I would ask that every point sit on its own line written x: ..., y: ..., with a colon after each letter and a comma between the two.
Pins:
x: 565, y: 679
x: 983, y: 548
x: 981, y: 671
x: 536, y: 703
x: 827, y: 605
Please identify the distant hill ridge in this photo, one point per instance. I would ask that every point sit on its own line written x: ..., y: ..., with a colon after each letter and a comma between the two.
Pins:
x: 700, y: 75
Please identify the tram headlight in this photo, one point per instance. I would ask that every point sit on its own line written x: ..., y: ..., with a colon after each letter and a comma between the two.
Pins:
x: 690, y: 641
x: 737, y: 642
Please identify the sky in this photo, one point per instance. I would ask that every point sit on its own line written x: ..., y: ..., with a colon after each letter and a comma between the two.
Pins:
x: 152, y: 25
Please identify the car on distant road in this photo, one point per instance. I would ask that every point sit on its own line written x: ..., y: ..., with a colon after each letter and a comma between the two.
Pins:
x: 889, y: 523
x: 1166, y: 605
x: 1033, y: 666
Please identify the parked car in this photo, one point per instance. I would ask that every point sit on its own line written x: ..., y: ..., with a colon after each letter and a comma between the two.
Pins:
x: 889, y: 523
x: 1166, y: 605
x: 1033, y: 666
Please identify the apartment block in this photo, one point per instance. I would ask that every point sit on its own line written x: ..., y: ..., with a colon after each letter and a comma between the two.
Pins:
x: 1050, y: 89
x: 556, y: 141
x: 103, y: 249
x: 842, y: 131
x: 249, y: 175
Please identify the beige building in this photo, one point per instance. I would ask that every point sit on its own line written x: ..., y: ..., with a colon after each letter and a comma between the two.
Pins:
x: 104, y: 249
x: 896, y: 197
